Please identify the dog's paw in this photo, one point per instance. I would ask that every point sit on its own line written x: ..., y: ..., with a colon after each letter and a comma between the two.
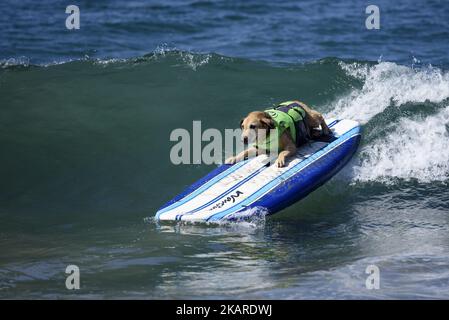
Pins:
x: 230, y: 160
x: 280, y: 162
x: 325, y: 131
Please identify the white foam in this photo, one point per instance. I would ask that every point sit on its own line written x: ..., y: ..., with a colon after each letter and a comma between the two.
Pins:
x: 249, y: 219
x: 254, y: 216
x: 192, y: 60
x: 106, y: 62
x: 13, y: 62
x: 415, y: 149
x: 195, y: 61
x: 386, y: 83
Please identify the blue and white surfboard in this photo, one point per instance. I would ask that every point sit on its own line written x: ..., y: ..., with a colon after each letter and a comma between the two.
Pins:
x: 254, y: 183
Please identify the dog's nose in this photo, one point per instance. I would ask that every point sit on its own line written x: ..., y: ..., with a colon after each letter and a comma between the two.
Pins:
x: 245, y: 140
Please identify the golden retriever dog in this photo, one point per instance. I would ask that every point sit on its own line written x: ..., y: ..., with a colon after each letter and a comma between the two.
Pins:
x: 258, y: 123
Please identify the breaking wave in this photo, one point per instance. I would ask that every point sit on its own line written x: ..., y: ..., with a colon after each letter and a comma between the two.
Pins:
x: 111, y: 119
x: 406, y: 118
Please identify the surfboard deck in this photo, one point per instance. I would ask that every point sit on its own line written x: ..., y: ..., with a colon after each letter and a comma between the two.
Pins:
x: 230, y: 191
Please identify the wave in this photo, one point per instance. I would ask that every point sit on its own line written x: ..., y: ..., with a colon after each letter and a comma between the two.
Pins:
x: 414, y: 149
x: 189, y: 59
x: 386, y: 84
x: 15, y: 62
x: 405, y: 112
x: 111, y: 119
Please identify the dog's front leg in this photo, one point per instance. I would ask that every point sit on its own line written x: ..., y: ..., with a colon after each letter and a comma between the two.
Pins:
x: 289, y: 150
x: 247, y: 153
x: 324, y: 128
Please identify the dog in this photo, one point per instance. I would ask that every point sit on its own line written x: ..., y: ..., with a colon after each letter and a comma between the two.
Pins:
x: 259, y: 123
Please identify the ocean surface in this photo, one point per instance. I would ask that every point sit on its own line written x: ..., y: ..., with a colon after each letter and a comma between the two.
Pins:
x: 85, y: 121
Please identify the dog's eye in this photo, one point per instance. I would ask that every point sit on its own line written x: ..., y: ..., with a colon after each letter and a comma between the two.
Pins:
x: 252, y: 126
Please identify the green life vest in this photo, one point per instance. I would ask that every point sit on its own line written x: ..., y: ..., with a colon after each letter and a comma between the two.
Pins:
x: 289, y: 116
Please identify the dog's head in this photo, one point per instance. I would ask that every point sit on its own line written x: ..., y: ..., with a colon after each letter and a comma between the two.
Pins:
x: 255, y: 124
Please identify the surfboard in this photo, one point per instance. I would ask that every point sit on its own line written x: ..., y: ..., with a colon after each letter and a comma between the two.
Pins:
x: 230, y: 192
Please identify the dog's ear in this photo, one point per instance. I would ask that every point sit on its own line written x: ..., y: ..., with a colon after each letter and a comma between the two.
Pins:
x: 267, y: 121
x: 241, y: 122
